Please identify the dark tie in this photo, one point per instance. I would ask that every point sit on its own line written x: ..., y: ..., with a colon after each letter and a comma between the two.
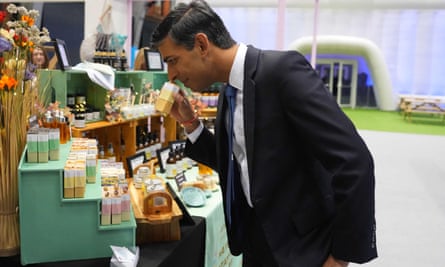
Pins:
x: 230, y: 192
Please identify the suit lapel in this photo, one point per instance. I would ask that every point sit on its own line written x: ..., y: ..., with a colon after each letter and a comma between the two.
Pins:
x: 220, y: 132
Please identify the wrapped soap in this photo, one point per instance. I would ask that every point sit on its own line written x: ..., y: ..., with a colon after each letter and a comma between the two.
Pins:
x: 106, y: 207
x: 80, y: 180
x: 32, y: 142
x: 126, y: 202
x: 91, y: 168
x: 116, y: 209
x: 54, y: 144
x: 68, y: 181
x: 43, y: 146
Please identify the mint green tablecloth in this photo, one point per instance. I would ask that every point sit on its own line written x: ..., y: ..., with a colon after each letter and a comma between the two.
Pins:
x: 217, y: 252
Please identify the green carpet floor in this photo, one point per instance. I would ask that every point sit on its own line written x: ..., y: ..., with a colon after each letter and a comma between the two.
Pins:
x: 393, y: 121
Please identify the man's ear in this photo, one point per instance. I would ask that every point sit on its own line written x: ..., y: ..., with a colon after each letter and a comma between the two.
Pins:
x: 202, y: 42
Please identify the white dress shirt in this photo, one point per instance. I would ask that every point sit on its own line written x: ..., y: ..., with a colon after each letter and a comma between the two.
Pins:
x: 236, y: 80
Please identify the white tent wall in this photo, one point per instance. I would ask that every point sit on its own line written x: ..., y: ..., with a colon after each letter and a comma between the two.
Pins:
x: 411, y: 40
x: 410, y: 33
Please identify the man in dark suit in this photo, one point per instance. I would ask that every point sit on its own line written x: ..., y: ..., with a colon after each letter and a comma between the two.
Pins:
x: 302, y: 192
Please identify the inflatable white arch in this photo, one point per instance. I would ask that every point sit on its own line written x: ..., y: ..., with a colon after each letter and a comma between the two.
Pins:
x: 346, y: 45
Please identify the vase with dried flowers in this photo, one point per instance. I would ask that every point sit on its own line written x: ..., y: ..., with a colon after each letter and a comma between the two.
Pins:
x: 18, y: 98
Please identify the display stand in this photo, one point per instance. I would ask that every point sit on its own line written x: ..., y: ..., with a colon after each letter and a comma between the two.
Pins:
x: 60, y: 84
x: 56, y: 229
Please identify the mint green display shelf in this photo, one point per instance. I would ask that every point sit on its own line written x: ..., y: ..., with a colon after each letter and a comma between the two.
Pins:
x: 56, y: 229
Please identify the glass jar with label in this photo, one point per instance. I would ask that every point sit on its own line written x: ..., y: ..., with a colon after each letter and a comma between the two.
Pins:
x: 170, y: 166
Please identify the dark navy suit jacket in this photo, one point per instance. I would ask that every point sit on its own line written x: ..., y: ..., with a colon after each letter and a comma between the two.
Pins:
x: 311, y: 174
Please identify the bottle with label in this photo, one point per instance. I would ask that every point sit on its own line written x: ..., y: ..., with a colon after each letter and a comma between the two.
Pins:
x: 110, y: 153
x: 170, y: 166
x: 146, y: 139
x: 101, y: 152
x: 139, y: 137
x: 61, y: 124
x: 123, y: 61
x: 79, y: 116
x: 67, y: 129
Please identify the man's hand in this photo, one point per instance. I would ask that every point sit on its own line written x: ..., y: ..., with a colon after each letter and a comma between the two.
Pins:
x: 182, y: 110
x: 333, y: 262
x: 184, y: 113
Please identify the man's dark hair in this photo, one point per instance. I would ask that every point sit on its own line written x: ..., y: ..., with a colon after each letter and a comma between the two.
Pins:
x: 186, y: 20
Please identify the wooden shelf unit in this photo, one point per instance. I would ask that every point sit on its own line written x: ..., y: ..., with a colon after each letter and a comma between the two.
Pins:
x: 75, y: 82
x: 114, y: 132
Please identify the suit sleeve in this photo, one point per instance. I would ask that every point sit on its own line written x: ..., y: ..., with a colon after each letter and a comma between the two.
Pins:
x: 204, y: 149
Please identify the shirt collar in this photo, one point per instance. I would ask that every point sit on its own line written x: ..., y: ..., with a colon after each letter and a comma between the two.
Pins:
x: 236, y: 78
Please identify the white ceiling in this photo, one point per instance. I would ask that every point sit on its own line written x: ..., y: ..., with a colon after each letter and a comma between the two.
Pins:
x: 378, y: 4
x: 399, y: 4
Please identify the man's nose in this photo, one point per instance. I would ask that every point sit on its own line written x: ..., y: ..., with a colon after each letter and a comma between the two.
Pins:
x: 172, y: 74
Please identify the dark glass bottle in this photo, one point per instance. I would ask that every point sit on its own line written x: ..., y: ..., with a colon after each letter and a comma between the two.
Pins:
x: 170, y: 166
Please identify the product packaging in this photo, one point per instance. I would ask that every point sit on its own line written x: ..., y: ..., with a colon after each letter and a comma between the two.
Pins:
x: 165, y: 100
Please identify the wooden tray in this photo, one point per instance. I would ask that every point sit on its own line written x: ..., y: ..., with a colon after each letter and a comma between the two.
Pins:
x: 154, y: 227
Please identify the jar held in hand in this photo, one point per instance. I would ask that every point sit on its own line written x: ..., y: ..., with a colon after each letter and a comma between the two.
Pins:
x: 166, y: 98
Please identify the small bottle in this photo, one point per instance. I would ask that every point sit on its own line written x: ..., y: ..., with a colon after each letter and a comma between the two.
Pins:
x: 146, y: 139
x: 114, y: 62
x: 67, y: 129
x: 61, y: 123
x: 139, y: 137
x: 124, y: 62
x: 107, y: 58
x: 152, y: 138
x: 54, y: 123
x: 156, y: 138
x: 170, y: 166
x: 99, y: 56
x: 110, y: 153
x: 79, y: 116
x: 47, y: 122
x: 101, y: 152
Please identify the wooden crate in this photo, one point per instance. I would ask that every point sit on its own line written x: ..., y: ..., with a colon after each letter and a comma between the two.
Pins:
x: 154, y: 228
